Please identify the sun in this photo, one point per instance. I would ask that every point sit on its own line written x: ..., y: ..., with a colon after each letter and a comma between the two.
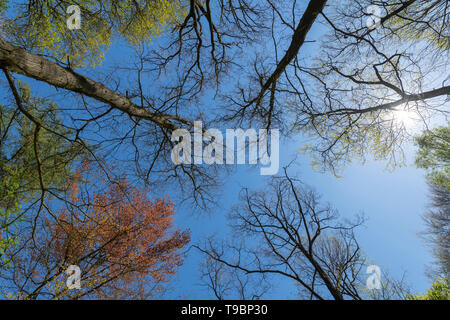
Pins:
x: 404, y: 117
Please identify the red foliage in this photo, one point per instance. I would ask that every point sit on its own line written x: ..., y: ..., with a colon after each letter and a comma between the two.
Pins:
x: 117, y: 232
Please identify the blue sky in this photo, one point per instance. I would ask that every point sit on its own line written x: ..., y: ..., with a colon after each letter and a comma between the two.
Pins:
x: 393, y: 202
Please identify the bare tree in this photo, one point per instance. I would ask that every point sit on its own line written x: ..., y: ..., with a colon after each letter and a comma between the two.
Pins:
x: 285, y: 231
x: 293, y: 236
x: 345, y: 96
x: 353, y: 97
x: 226, y: 283
x: 437, y: 233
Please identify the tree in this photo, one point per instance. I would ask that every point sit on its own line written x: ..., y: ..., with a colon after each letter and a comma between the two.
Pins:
x: 410, y: 25
x: 374, y: 81
x: 8, y: 216
x: 437, y: 230
x: 32, y: 153
x: 350, y: 99
x: 225, y: 283
x: 440, y: 290
x: 42, y: 26
x: 119, y: 239
x: 434, y: 156
x: 353, y: 98
x: 285, y: 231
x: 33, y: 161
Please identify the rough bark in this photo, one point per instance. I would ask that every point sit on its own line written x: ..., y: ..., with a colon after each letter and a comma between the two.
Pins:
x: 21, y: 61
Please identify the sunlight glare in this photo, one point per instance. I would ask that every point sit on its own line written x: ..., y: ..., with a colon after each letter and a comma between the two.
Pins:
x: 404, y: 117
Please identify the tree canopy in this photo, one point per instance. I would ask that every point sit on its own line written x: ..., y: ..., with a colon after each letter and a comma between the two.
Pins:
x: 41, y: 26
x: 121, y: 240
x: 440, y: 290
x: 434, y: 155
x: 314, y: 70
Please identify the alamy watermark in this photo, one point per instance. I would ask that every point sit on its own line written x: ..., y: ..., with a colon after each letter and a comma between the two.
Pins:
x: 208, y: 147
x: 74, y: 20
x: 374, y: 21
x: 74, y: 279
x: 374, y: 280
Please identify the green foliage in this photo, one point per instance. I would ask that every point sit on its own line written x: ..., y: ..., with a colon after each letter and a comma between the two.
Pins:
x: 3, y: 5
x: 8, y: 220
x: 371, y: 138
x: 19, y: 164
x: 409, y: 25
x: 43, y: 26
x: 9, y: 210
x: 434, y: 155
x: 440, y: 290
x: 19, y: 168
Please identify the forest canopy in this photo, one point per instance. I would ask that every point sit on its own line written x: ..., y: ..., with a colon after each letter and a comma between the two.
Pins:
x: 93, y: 93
